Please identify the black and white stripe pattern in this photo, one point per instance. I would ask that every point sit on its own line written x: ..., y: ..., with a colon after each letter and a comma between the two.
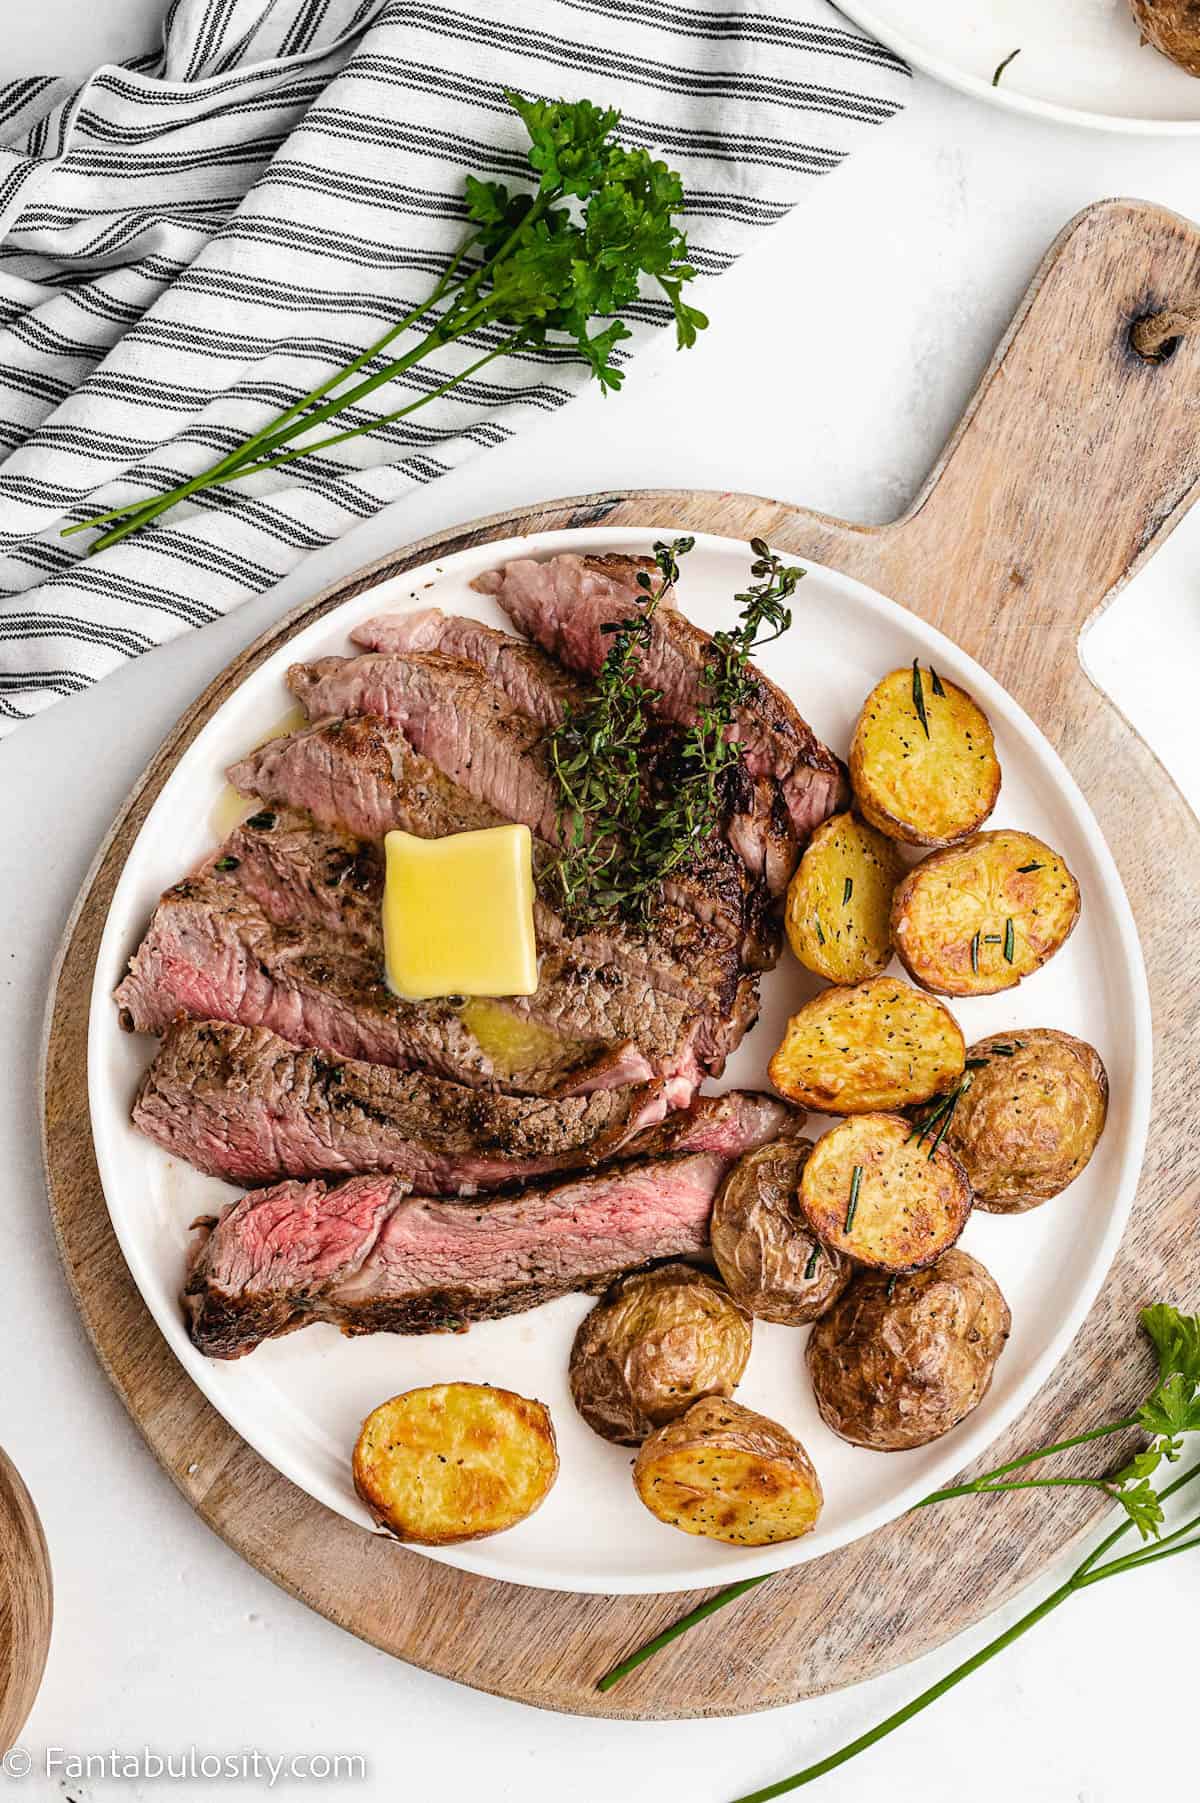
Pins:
x: 193, y: 240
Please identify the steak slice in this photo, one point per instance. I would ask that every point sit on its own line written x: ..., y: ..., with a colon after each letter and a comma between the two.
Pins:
x: 452, y: 713
x: 370, y: 1259
x: 530, y: 680
x: 301, y: 874
x: 211, y: 953
x: 564, y: 602
x: 241, y: 1103
x: 363, y: 775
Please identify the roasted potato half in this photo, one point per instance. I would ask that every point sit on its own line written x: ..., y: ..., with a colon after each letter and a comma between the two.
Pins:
x: 872, y: 1191
x: 1031, y: 1117
x: 727, y: 1473
x: 654, y: 1345
x: 839, y: 903
x: 454, y: 1462
x: 1173, y: 27
x: 923, y: 764
x: 765, y: 1250
x: 899, y: 1362
x: 881, y: 1045
x: 978, y: 918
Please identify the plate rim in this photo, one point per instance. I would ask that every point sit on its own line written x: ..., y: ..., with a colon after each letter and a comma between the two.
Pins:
x: 967, y: 1449
x: 978, y: 88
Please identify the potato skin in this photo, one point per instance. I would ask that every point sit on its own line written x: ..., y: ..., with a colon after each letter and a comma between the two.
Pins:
x: 453, y: 1462
x: 923, y: 790
x: 844, y: 938
x: 895, y: 1372
x: 964, y: 897
x: 1030, y: 1121
x: 879, y: 1045
x: 655, y: 1344
x: 909, y: 1206
x: 1173, y: 27
x: 729, y: 1474
x: 763, y: 1244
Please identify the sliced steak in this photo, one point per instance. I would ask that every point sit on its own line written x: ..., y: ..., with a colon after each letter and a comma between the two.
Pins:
x: 241, y: 1103
x: 563, y: 603
x: 530, y: 680
x: 451, y: 712
x: 304, y: 875
x: 370, y: 1259
x: 362, y: 775
x: 211, y: 952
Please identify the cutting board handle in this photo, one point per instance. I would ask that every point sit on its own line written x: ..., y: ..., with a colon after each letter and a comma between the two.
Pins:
x: 1075, y: 458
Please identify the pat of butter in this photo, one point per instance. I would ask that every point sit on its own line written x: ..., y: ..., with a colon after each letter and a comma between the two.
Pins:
x: 458, y: 914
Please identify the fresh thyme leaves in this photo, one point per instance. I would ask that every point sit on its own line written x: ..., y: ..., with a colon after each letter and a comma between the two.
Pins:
x: 975, y: 954
x: 935, y: 682
x: 1010, y: 940
x: 1024, y: 869
x: 624, y: 829
x: 852, y: 1205
x: 918, y: 695
x: 262, y: 823
x: 1171, y: 1410
x: 847, y: 890
x: 227, y: 863
x: 1001, y: 67
x: 534, y: 269
x: 814, y: 1259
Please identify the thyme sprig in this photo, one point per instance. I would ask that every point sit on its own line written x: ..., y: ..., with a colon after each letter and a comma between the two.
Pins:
x: 624, y: 829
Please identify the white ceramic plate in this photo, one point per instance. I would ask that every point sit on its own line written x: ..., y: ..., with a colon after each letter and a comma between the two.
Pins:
x: 1081, y: 62
x: 299, y: 1401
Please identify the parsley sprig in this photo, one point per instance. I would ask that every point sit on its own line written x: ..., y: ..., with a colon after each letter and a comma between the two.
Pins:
x: 635, y: 805
x: 1169, y: 1413
x: 535, y: 268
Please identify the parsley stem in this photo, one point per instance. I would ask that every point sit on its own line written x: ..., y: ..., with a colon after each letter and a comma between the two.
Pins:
x: 297, y: 407
x: 916, y: 1704
x: 680, y: 1627
x: 1029, y: 1458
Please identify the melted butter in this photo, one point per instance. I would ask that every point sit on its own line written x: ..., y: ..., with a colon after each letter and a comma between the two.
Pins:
x: 232, y: 807
x: 458, y: 914
x: 512, y: 1041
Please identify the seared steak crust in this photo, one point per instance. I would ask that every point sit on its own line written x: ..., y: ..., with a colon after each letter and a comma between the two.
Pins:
x: 364, y: 1256
x: 242, y: 1104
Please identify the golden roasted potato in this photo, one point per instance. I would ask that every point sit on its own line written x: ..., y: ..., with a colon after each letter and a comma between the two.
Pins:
x: 871, y: 1190
x: 923, y: 764
x: 654, y: 1345
x: 1173, y: 27
x: 977, y: 918
x: 899, y: 1362
x: 454, y: 1462
x: 1030, y: 1119
x: 881, y: 1045
x: 727, y: 1473
x: 764, y: 1248
x: 839, y: 903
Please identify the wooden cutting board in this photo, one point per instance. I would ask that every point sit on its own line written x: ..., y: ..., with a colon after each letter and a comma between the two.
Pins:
x: 26, y: 1606
x: 1075, y: 459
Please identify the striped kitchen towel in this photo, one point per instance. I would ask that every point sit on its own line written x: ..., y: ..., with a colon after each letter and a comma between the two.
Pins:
x: 193, y: 240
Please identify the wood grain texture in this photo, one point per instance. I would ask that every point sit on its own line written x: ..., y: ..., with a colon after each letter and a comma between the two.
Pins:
x: 26, y: 1603
x: 1074, y: 461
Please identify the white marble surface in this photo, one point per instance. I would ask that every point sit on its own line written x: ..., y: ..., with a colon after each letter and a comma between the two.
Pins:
x: 917, y: 252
